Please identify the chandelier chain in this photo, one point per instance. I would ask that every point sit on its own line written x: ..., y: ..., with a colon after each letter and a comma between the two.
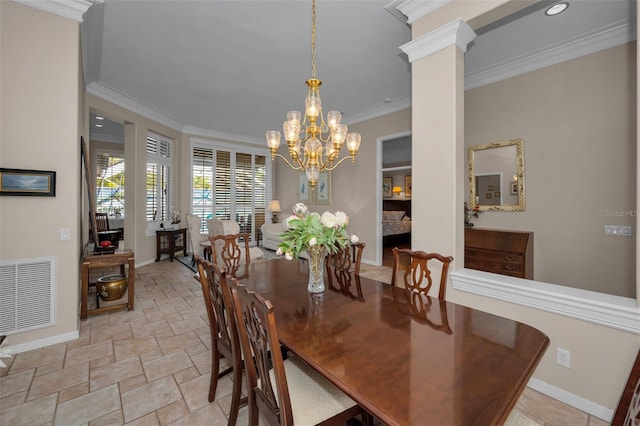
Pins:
x: 313, y: 39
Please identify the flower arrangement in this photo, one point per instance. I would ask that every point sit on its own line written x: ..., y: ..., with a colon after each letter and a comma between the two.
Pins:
x: 470, y: 213
x: 175, y: 216
x: 311, y: 231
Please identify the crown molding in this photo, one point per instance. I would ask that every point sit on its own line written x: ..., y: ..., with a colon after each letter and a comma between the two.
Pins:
x: 620, y: 313
x: 604, y: 38
x: 196, y: 131
x: 108, y: 94
x: 378, y: 111
x: 455, y: 32
x: 416, y: 9
x: 72, y: 9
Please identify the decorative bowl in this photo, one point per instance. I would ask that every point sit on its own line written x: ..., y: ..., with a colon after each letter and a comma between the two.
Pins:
x: 111, y: 287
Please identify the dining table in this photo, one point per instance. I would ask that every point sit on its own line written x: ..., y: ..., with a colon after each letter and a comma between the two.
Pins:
x: 406, y: 358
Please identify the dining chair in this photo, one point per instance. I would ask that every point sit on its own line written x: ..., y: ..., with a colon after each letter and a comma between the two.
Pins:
x: 628, y: 410
x: 195, y: 237
x: 102, y: 222
x: 224, y: 332
x: 343, y: 260
x: 417, y: 277
x: 285, y: 392
x: 231, y: 252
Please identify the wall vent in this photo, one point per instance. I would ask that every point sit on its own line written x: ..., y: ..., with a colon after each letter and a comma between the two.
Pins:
x: 26, y: 294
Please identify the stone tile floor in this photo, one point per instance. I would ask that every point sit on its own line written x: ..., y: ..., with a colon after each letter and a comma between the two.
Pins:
x: 151, y: 366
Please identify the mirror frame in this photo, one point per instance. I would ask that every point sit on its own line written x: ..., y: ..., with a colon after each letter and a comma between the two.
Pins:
x: 519, y: 144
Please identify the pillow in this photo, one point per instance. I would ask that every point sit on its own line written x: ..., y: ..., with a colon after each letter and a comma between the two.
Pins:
x: 392, y: 214
x: 406, y: 219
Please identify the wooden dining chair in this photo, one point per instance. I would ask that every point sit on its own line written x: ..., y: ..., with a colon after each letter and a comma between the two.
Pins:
x: 285, y: 392
x: 224, y: 332
x: 230, y: 251
x: 628, y: 411
x: 102, y: 222
x: 343, y: 259
x: 417, y: 277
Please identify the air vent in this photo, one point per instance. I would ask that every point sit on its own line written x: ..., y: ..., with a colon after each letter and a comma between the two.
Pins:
x: 26, y: 295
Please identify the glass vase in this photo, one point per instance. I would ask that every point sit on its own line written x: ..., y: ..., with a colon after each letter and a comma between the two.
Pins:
x: 317, y: 256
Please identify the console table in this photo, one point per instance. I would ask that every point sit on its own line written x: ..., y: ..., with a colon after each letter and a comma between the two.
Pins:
x: 168, y: 241
x: 123, y: 256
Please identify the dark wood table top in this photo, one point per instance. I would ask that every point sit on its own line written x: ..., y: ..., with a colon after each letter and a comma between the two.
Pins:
x: 434, y: 363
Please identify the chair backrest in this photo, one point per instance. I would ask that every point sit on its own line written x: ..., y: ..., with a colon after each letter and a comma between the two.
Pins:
x: 343, y: 259
x: 417, y: 277
x: 193, y: 228
x: 102, y: 222
x: 628, y: 410
x: 217, y: 226
x: 217, y: 300
x: 260, y: 346
x: 230, y: 251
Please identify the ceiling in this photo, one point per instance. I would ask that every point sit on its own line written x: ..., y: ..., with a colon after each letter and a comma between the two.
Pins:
x: 234, y: 68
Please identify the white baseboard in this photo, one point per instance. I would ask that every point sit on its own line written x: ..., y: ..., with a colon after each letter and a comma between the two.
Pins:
x: 574, y: 401
x: 41, y: 343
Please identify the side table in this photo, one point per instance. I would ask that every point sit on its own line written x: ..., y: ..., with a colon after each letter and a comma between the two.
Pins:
x: 119, y: 257
x: 168, y: 241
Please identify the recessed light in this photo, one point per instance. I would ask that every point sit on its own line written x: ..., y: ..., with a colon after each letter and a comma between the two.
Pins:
x: 99, y: 118
x: 556, y: 9
x: 98, y: 125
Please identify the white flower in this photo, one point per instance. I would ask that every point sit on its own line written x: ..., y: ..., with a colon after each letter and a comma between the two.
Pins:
x: 288, y: 256
x: 313, y: 242
x: 354, y: 239
x: 328, y: 219
x: 289, y: 219
x: 300, y: 210
x: 279, y: 251
x: 342, y: 219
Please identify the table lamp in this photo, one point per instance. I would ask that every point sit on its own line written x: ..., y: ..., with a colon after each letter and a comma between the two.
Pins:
x: 274, y: 208
x: 396, y: 190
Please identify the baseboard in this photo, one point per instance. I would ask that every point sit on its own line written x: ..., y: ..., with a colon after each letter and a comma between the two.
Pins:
x: 574, y: 401
x: 41, y: 343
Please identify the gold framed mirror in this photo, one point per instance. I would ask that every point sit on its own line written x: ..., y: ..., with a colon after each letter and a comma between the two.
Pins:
x: 496, y: 176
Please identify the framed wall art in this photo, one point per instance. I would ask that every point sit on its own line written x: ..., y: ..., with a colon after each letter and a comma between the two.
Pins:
x: 323, y: 189
x: 387, y: 187
x: 407, y: 186
x: 303, y: 189
x: 38, y: 183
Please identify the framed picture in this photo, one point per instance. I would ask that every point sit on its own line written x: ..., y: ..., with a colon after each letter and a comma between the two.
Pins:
x: 303, y: 188
x: 496, y: 194
x: 37, y: 183
x: 407, y: 186
x: 387, y: 187
x: 323, y: 189
x: 514, y: 188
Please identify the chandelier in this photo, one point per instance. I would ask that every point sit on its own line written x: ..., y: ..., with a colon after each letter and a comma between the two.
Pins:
x: 314, y: 145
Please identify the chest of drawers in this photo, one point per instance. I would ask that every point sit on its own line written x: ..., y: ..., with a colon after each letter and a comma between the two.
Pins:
x: 499, y: 251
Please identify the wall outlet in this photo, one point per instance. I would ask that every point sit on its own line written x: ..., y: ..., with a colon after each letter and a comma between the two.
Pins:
x: 65, y: 234
x: 623, y: 231
x: 563, y: 357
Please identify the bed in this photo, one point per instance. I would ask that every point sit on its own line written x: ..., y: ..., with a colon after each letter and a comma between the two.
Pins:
x: 396, y: 222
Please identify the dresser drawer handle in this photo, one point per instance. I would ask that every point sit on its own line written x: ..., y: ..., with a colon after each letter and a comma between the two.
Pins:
x: 509, y: 267
x: 508, y: 258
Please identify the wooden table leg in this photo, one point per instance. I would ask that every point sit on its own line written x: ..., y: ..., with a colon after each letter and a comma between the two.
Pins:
x: 85, y: 291
x: 131, y: 281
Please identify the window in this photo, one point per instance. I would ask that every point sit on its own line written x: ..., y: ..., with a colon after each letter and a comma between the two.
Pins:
x: 230, y: 183
x: 158, y: 180
x: 110, y: 184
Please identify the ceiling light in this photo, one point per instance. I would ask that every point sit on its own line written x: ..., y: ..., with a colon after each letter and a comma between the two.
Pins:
x: 314, y: 145
x: 99, y: 118
x: 556, y: 9
x: 98, y: 125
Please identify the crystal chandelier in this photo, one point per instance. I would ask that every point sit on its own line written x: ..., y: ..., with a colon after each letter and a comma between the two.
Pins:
x: 314, y: 145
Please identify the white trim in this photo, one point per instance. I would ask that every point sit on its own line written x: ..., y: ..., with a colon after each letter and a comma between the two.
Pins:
x: 111, y: 95
x: 416, y: 9
x: 392, y: 8
x: 377, y: 111
x: 620, y: 313
x: 41, y: 343
x: 456, y: 32
x: 604, y: 38
x: 197, y: 131
x: 72, y: 9
x: 573, y: 400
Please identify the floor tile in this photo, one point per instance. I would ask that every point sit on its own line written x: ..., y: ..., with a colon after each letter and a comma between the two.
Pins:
x: 16, y: 383
x: 150, y: 397
x: 36, y: 412
x: 114, y: 373
x: 166, y: 365
x: 88, y: 407
x: 58, y: 380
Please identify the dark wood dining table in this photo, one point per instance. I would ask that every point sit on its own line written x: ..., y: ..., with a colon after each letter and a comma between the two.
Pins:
x: 430, y: 362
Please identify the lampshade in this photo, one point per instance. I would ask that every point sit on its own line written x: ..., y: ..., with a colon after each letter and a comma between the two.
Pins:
x: 396, y: 190
x: 274, y: 206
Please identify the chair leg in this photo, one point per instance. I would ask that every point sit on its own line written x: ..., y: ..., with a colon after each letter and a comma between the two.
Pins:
x: 235, y: 396
x: 215, y: 365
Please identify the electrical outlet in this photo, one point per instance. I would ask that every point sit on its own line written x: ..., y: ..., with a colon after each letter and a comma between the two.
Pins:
x: 563, y: 357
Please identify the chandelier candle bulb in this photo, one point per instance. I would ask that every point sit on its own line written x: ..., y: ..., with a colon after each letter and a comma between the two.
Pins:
x: 314, y: 145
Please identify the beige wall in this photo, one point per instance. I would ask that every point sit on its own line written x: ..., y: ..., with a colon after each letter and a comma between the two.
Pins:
x: 578, y: 122
x: 354, y: 185
x: 39, y: 130
x: 598, y: 372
